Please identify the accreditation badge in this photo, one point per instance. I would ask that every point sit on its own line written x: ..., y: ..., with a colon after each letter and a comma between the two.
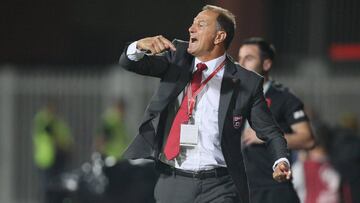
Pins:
x: 189, y: 134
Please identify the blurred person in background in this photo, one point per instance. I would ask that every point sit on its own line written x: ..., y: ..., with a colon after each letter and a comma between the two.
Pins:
x: 126, y: 182
x: 111, y: 142
x: 258, y: 55
x: 330, y: 172
x: 112, y: 139
x: 195, y: 140
x: 344, y: 154
x: 315, y: 178
x: 52, y: 144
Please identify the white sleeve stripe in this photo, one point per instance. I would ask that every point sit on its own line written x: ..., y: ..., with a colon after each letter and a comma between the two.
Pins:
x: 298, y: 114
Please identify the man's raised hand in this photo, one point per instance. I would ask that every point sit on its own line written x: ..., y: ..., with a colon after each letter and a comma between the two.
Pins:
x: 155, y: 45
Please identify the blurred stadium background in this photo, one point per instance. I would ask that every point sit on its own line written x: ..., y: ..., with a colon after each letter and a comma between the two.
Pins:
x: 68, y: 50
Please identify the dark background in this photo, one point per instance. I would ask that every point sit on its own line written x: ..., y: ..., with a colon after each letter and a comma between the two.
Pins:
x: 85, y: 31
x: 93, y: 32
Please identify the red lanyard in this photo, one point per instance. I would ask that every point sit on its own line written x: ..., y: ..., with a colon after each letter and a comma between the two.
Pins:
x: 192, y: 98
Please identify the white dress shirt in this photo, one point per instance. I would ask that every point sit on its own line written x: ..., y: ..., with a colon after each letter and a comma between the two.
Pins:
x: 207, y: 153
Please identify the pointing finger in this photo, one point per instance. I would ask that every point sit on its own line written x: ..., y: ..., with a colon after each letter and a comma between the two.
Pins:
x: 167, y: 43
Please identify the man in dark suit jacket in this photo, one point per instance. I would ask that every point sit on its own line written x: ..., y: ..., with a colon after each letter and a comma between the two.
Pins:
x: 211, y: 169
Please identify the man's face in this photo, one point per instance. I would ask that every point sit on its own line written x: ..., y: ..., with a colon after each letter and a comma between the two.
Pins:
x: 202, y: 33
x: 249, y: 58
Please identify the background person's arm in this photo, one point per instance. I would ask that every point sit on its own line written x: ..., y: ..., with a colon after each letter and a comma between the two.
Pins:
x: 301, y: 138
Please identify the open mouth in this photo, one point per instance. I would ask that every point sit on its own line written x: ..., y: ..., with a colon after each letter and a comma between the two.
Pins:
x: 193, y: 39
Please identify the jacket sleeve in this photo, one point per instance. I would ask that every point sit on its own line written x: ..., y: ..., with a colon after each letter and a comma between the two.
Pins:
x: 155, y: 66
x: 265, y: 126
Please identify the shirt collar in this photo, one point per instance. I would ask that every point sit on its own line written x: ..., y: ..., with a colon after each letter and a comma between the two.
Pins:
x: 212, y: 64
x: 266, y: 86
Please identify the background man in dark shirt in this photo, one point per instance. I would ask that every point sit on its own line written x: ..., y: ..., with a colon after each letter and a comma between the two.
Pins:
x: 257, y: 55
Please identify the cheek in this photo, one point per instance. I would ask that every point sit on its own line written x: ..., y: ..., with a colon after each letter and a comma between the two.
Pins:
x: 254, y: 65
x: 209, y: 37
x: 250, y: 65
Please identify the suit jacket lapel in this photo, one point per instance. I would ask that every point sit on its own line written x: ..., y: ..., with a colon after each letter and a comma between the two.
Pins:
x: 227, y: 89
x: 185, y: 76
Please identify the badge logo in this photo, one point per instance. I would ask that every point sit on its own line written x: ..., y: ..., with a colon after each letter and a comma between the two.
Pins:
x: 237, y: 120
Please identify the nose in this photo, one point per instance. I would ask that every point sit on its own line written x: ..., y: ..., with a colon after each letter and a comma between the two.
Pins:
x: 191, y: 29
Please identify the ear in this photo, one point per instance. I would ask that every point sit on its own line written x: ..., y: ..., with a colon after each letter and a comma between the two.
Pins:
x: 267, y: 65
x: 220, y: 37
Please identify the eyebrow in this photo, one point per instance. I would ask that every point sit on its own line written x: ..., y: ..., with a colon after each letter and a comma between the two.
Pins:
x: 250, y: 55
x: 197, y: 19
x: 200, y: 21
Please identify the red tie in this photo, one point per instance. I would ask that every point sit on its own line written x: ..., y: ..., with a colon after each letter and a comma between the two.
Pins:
x: 172, y: 146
